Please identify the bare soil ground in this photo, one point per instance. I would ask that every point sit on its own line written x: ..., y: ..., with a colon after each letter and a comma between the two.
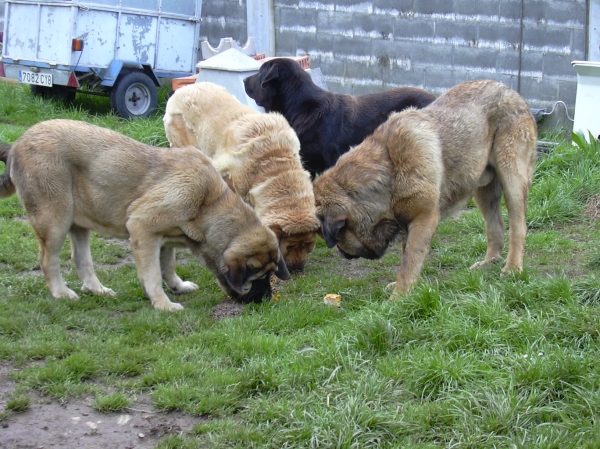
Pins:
x: 76, y: 425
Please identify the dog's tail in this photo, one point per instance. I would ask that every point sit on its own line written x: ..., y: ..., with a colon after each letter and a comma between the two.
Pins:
x: 7, y: 188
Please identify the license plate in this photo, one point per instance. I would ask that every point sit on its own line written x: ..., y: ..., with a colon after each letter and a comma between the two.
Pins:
x: 41, y: 79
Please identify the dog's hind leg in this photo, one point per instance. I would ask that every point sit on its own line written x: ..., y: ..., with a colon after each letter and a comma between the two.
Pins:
x: 488, y: 199
x: 516, y: 153
x: 51, y: 239
x: 167, y: 268
x: 82, y: 258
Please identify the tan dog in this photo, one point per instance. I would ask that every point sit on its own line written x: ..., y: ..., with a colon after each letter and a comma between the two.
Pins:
x: 477, y: 139
x: 74, y: 178
x: 257, y: 154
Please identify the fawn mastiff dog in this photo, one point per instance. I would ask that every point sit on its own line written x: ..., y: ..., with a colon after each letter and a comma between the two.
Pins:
x: 327, y: 124
x: 477, y: 139
x: 74, y: 178
x: 257, y: 154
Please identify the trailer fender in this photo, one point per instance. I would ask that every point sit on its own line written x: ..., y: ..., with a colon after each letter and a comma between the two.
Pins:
x: 110, y: 74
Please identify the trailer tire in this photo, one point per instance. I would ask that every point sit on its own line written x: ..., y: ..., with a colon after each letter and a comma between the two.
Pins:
x: 134, y: 95
x: 60, y: 93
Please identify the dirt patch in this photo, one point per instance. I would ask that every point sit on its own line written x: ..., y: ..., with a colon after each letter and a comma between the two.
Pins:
x: 76, y: 425
x: 592, y: 208
x: 228, y: 308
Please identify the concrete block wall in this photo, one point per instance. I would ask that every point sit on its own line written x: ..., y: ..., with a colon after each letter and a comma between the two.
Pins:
x: 365, y: 46
x: 223, y: 18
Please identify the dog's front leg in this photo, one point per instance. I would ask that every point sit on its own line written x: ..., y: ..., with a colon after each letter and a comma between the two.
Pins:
x: 167, y: 267
x: 420, y: 234
x: 145, y: 248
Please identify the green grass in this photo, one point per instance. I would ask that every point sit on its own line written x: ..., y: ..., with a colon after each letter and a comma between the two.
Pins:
x: 470, y: 359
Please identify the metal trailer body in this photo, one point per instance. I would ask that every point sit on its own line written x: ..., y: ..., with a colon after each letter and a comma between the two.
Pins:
x: 117, y: 48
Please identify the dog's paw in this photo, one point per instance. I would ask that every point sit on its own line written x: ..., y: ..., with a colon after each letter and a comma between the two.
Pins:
x: 100, y: 291
x: 167, y: 305
x: 184, y: 287
x: 508, y: 269
x: 484, y: 263
x: 66, y: 293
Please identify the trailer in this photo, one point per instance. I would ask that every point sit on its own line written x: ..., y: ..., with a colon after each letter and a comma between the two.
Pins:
x: 114, y: 48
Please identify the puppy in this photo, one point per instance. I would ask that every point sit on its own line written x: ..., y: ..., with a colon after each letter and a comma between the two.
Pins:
x: 327, y: 124
x: 74, y: 178
x: 257, y: 154
x: 477, y: 139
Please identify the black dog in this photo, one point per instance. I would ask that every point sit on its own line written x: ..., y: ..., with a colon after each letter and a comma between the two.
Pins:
x: 327, y: 124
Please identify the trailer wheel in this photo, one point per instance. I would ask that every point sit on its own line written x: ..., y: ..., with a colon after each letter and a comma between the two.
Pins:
x: 134, y: 95
x: 61, y: 93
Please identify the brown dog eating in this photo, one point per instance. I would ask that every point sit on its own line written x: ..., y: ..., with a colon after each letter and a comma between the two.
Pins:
x: 74, y: 178
x: 477, y: 140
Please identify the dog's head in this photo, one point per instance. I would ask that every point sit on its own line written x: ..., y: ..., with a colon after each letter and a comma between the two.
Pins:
x: 248, y: 263
x: 354, y: 206
x: 266, y: 86
x: 295, y: 248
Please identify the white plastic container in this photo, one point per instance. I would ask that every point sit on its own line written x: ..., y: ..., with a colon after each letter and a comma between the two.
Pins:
x: 587, y: 101
x: 228, y: 69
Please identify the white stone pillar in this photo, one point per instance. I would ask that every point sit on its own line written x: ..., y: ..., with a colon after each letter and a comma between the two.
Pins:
x: 261, y: 25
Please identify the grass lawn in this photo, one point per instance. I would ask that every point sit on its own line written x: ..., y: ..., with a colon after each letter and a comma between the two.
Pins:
x: 470, y: 359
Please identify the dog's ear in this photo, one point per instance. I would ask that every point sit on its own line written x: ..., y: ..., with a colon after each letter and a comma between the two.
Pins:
x: 236, y: 276
x: 271, y: 75
x: 331, y: 229
x: 281, y: 271
x: 386, y: 230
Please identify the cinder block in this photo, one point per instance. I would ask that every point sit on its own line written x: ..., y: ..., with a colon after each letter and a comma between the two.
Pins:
x: 510, y: 10
x: 394, y: 5
x: 535, y: 11
x: 378, y: 25
x: 542, y: 37
x: 434, y: 7
x: 460, y: 33
x: 472, y: 8
x: 427, y: 54
x: 344, y: 47
x: 364, y: 6
x: 507, y: 61
x: 578, y: 44
x: 331, y: 22
x: 414, y: 77
x: 475, y: 58
x: 440, y: 79
x: 297, y: 18
x: 532, y: 88
x: 567, y: 92
x: 566, y: 12
x: 287, y: 42
x: 413, y: 28
x: 557, y: 65
x: 503, y: 35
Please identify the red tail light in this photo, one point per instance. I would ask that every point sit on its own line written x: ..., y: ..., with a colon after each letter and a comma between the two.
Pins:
x: 76, y: 44
x: 1, y: 36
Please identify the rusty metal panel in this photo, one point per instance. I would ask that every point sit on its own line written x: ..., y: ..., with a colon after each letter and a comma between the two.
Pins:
x: 100, y: 41
x: 175, y: 49
x: 39, y: 32
x: 137, y: 38
x: 55, y: 34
